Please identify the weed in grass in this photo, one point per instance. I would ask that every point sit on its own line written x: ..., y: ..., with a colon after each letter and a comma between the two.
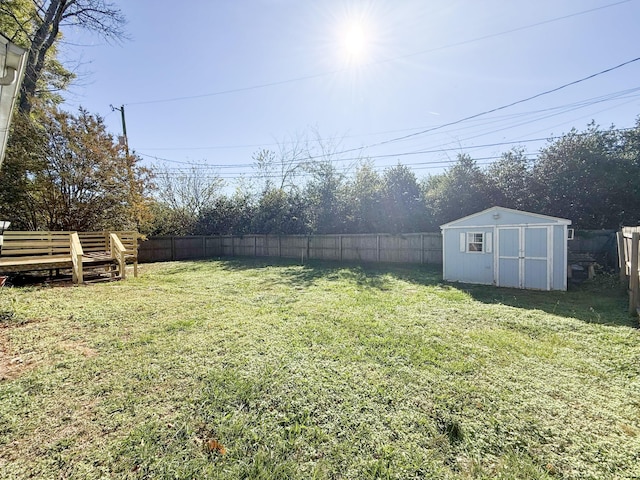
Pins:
x: 450, y: 426
x: 10, y: 318
x: 7, y: 317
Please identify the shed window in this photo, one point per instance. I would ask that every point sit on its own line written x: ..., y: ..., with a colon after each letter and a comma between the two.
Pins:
x: 475, y: 242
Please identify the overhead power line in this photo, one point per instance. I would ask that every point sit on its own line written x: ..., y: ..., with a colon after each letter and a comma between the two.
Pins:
x: 199, y: 166
x: 459, y: 121
x: 622, y: 94
x: 480, y: 161
x: 502, y: 107
x: 506, y: 32
x: 387, y: 60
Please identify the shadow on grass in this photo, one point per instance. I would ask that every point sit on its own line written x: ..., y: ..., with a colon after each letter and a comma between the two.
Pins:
x: 599, y: 301
x: 377, y: 276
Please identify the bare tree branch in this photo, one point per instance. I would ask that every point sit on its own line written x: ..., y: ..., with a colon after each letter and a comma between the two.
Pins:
x: 98, y: 16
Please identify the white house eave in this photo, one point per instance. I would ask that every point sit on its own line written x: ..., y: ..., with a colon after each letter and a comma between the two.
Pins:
x: 12, y: 65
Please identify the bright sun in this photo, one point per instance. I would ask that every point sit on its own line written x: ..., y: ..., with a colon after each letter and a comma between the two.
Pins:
x: 355, y: 43
x: 354, y: 34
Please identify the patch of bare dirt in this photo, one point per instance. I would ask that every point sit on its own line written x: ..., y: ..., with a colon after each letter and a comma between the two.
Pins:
x: 12, y: 363
x: 79, y: 347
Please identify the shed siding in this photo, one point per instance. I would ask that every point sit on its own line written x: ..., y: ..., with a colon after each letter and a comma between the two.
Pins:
x: 469, y: 267
x: 559, y: 281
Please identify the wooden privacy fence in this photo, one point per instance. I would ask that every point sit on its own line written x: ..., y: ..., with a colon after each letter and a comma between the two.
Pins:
x: 628, y: 247
x: 420, y: 248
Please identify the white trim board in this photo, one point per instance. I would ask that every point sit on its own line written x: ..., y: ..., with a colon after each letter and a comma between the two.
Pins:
x: 554, y: 220
x: 506, y: 225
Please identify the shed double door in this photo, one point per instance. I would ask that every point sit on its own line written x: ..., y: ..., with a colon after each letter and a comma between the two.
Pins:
x: 523, y: 257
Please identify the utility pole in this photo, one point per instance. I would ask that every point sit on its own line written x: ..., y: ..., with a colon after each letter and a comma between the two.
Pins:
x: 132, y: 193
x: 124, y: 126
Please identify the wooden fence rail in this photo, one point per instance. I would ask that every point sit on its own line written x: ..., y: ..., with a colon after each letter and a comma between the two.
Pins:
x: 417, y: 248
x: 628, y: 248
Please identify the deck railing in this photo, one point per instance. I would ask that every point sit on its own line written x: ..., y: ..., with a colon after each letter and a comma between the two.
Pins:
x: 118, y: 253
x: 76, y: 258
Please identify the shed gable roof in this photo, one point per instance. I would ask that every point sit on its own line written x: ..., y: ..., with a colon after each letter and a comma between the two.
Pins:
x: 489, y: 212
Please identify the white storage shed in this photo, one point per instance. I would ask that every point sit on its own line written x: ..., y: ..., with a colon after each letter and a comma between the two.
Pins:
x: 507, y: 248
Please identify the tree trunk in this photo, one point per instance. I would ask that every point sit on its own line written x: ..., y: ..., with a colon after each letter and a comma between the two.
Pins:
x: 43, y: 39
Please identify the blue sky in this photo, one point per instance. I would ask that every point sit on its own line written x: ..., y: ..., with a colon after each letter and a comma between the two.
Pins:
x: 212, y: 82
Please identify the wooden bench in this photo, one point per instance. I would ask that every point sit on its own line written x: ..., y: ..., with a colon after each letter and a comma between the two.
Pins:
x: 34, y: 251
x: 49, y: 250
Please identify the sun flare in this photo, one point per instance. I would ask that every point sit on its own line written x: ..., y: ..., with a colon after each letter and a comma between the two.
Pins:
x: 357, y: 35
x: 355, y: 42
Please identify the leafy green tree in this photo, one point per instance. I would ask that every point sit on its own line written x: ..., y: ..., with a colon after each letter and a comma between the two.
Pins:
x: 166, y: 221
x: 462, y: 190
x: 364, y: 195
x: 630, y: 189
x: 512, y: 180
x: 65, y: 172
x: 23, y: 160
x: 326, y: 198
x: 589, y: 177
x: 402, y: 201
x: 227, y: 216
x: 279, y: 212
x: 15, y: 20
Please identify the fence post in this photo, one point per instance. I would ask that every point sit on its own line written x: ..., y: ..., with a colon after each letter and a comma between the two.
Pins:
x: 421, y: 249
x: 378, y: 248
x: 173, y: 248
x: 308, y: 246
x: 634, y: 292
x: 255, y: 245
x: 622, y: 261
x: 279, y: 246
x: 233, y: 246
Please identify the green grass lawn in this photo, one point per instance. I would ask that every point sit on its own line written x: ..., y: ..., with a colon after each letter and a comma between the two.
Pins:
x: 248, y: 369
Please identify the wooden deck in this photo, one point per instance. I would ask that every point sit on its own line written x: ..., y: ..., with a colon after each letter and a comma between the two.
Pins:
x: 37, y: 251
x: 48, y: 262
x: 24, y: 264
